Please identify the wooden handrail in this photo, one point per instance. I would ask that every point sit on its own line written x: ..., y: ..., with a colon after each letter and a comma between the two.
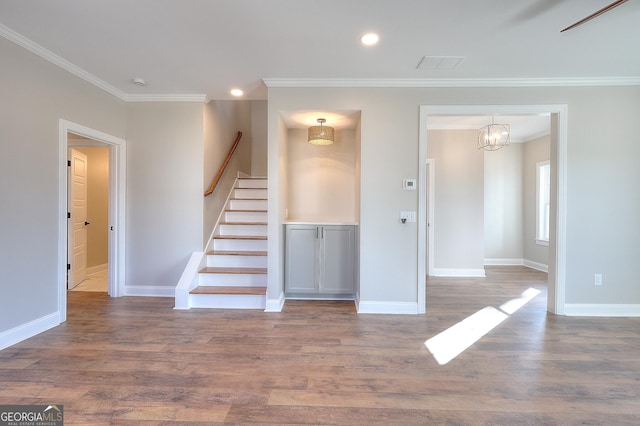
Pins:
x: 223, y: 166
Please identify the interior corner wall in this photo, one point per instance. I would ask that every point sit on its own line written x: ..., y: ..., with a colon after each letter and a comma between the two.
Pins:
x: 535, y: 151
x: 459, y: 202
x: 164, y: 191
x: 503, y: 209
x: 35, y: 96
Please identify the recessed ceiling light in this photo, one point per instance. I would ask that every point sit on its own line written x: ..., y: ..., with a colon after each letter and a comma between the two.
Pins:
x: 139, y: 81
x: 369, y: 39
x: 236, y: 92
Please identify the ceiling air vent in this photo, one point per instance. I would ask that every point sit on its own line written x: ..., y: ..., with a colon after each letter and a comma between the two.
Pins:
x: 439, y: 62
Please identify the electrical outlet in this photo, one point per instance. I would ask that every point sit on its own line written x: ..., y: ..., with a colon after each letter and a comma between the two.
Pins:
x: 597, y: 279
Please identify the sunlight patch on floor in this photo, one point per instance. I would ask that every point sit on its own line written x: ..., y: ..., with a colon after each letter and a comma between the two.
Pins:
x: 456, y: 339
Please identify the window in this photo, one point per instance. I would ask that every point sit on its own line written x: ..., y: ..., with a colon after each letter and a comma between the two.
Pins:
x: 543, y: 197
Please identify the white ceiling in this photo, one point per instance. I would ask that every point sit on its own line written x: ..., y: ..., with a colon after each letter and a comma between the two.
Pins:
x: 207, y: 47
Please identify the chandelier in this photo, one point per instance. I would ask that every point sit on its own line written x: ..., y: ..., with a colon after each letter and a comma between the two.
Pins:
x: 493, y: 136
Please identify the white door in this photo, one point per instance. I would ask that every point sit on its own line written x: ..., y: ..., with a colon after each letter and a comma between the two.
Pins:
x: 77, y: 256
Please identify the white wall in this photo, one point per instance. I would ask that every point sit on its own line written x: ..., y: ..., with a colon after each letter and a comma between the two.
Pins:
x: 503, y: 208
x: 35, y: 96
x: 601, y: 177
x: 458, y: 226
x: 321, y: 179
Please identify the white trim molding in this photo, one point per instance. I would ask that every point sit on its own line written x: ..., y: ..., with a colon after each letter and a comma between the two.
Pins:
x: 28, y: 330
x: 536, y: 265
x: 452, y: 82
x: 517, y: 262
x: 51, y: 57
x: 275, y: 305
x: 117, y: 208
x: 458, y: 272
x: 601, y: 310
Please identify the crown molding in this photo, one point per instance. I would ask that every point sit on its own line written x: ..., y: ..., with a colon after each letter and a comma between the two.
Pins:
x: 453, y: 82
x: 51, y: 57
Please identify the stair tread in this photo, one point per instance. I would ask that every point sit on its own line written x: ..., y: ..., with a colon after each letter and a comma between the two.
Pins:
x: 229, y: 290
x: 237, y: 253
x: 232, y: 270
x: 245, y: 211
x: 240, y: 237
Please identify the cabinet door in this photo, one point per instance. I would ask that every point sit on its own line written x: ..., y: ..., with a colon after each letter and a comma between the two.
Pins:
x: 301, y: 274
x: 337, y: 255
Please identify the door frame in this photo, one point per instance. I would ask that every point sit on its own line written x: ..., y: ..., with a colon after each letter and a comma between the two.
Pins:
x: 558, y: 253
x: 117, y: 208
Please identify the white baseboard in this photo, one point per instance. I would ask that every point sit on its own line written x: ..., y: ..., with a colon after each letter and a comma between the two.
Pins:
x: 466, y: 273
x: 275, y: 305
x: 149, y: 291
x: 386, y: 307
x: 535, y: 265
x: 601, y: 310
x: 30, y: 329
x: 517, y: 262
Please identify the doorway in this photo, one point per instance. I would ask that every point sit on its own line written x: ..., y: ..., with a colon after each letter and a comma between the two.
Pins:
x: 69, y: 136
x: 89, y: 207
x: 557, y: 243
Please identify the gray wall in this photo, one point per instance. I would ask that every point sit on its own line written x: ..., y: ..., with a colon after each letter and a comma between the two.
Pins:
x: 601, y: 177
x: 503, y: 207
x: 164, y: 190
x: 459, y: 202
x: 35, y: 96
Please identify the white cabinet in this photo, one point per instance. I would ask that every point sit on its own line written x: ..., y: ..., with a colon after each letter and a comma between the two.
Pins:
x: 320, y: 259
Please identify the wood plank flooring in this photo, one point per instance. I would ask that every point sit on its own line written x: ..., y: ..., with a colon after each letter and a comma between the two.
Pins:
x: 137, y: 361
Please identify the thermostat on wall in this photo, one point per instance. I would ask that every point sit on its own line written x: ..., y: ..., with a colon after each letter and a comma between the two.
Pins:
x: 408, y: 184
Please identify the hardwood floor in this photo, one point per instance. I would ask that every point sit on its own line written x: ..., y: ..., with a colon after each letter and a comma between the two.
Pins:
x: 137, y: 361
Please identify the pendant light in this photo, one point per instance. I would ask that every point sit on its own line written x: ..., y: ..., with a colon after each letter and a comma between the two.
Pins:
x: 320, y: 135
x: 493, y: 136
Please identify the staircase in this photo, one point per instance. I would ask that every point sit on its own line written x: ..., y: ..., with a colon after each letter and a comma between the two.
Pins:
x: 235, y: 275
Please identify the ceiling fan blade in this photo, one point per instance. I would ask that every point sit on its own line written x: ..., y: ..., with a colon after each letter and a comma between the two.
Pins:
x: 596, y: 14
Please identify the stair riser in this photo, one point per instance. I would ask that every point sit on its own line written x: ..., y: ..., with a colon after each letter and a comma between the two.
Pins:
x: 252, y: 183
x: 248, y: 204
x: 240, y: 216
x: 250, y: 193
x: 244, y: 229
x: 241, y: 280
x: 236, y: 261
x: 239, y: 245
x: 228, y: 301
